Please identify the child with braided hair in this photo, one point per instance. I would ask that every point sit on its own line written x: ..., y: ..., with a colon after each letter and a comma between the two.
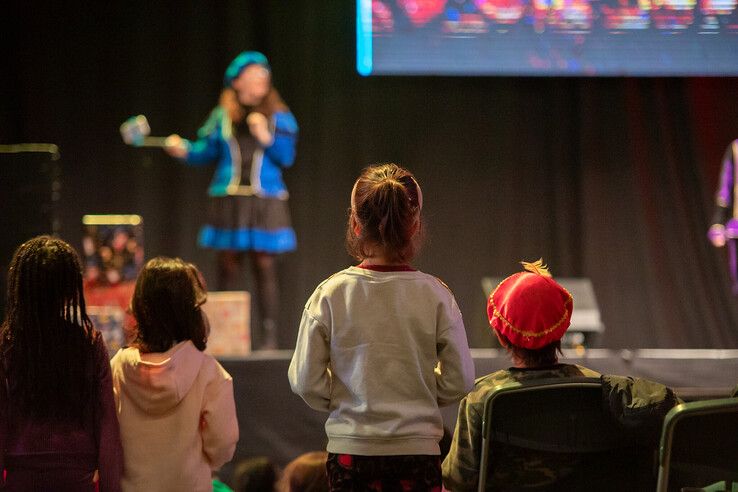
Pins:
x: 58, y: 427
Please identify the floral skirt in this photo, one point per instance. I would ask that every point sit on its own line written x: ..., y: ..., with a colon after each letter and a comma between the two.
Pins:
x: 410, y: 473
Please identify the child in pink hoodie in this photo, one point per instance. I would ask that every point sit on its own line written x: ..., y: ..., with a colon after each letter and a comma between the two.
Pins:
x: 175, y: 403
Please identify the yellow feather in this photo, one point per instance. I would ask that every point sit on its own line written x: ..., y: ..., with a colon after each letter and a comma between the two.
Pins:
x: 537, y: 267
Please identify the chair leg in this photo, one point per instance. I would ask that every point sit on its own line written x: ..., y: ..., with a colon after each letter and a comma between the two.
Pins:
x: 483, y: 464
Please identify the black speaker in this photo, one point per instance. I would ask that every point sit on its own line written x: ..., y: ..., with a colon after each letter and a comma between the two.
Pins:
x: 31, y: 188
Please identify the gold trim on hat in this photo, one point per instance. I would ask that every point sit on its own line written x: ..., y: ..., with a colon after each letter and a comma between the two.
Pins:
x: 526, y: 333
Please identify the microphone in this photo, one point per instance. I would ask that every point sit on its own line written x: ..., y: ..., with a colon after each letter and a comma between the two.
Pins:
x: 136, y: 130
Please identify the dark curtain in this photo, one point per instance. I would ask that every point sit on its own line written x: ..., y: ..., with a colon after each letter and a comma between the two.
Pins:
x: 610, y: 179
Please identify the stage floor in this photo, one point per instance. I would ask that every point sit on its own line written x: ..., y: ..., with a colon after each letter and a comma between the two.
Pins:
x: 276, y: 423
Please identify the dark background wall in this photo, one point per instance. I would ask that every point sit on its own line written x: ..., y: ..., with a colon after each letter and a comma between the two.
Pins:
x: 610, y: 179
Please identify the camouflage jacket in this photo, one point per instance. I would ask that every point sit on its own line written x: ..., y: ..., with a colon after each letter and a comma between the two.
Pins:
x: 461, y: 466
x: 638, y: 407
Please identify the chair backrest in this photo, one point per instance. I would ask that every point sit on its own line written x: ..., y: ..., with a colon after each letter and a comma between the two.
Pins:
x: 560, y: 415
x: 699, y: 444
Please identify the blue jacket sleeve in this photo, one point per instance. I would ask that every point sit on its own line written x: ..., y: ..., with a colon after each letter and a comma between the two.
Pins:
x: 282, y: 150
x: 207, y: 147
x: 203, y: 151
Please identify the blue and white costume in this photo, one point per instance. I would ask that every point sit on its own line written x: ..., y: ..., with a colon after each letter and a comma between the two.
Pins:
x: 249, y: 209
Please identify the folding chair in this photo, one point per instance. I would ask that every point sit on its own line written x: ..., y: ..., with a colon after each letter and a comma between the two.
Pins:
x: 699, y: 446
x: 550, y: 415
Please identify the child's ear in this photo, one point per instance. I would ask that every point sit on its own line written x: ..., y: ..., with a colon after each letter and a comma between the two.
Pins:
x: 355, y: 226
x: 415, y: 229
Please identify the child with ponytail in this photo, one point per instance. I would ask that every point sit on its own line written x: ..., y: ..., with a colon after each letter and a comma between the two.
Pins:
x: 382, y: 345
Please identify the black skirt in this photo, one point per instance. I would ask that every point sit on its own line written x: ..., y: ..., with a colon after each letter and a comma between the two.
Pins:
x: 248, y: 223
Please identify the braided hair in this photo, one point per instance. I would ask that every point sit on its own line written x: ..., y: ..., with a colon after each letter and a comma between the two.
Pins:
x: 46, y: 338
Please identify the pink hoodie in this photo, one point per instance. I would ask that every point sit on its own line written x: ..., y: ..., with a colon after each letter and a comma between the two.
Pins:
x: 177, y: 418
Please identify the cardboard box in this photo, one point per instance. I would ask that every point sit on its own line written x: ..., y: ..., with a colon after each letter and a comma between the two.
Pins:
x: 229, y: 314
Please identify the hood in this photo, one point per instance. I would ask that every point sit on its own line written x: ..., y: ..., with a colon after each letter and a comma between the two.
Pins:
x: 157, y: 382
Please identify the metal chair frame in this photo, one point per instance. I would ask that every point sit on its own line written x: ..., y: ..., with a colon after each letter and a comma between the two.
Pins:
x: 587, y: 384
x: 670, y: 427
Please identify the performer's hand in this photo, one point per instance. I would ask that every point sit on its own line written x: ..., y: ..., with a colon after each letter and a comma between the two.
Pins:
x: 176, y: 146
x: 259, y: 128
x: 716, y: 235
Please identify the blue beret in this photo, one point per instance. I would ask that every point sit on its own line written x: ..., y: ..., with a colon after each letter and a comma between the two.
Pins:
x: 242, y: 61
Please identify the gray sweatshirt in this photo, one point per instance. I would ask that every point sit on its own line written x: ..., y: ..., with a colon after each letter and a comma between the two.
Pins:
x: 381, y: 351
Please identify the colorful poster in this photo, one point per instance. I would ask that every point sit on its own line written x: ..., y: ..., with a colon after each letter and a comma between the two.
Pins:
x: 112, y: 247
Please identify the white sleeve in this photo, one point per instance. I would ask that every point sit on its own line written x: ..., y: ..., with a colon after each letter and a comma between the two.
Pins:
x: 455, y: 369
x: 309, y: 371
x: 219, y: 425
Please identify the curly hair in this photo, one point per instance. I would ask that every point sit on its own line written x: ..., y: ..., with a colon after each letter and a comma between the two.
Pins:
x: 385, y: 214
x: 47, y: 337
x: 166, y: 305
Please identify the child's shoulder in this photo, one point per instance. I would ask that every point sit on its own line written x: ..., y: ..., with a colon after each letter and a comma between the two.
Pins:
x: 441, y: 283
x: 123, y: 355
x: 334, y: 280
x: 353, y: 275
x: 436, y: 284
x: 213, y: 368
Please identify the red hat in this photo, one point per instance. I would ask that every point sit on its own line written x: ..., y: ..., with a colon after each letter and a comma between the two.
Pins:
x: 529, y: 308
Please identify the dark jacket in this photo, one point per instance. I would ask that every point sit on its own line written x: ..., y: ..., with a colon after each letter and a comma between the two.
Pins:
x: 216, y: 143
x: 74, y: 451
x: 638, y: 407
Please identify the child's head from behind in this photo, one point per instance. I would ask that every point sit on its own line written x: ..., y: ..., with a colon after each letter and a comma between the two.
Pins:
x: 306, y: 473
x: 45, y: 284
x: 257, y: 473
x: 385, y: 218
x: 166, y: 304
x: 530, y: 312
x: 46, y: 334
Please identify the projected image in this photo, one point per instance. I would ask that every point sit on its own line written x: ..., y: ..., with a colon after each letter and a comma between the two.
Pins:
x: 547, y: 37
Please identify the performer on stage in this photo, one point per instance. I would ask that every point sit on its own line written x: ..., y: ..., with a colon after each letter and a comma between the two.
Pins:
x: 724, y: 229
x: 252, y: 136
